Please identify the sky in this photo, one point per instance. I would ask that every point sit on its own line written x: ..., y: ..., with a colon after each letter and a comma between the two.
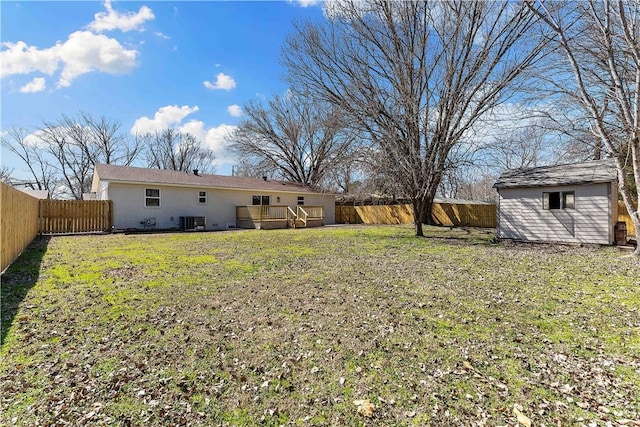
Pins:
x: 148, y: 65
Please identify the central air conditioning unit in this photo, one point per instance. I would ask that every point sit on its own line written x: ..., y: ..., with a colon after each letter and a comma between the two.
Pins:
x: 192, y: 223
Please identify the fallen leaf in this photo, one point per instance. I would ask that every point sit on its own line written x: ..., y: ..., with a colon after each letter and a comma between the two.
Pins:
x: 566, y: 389
x: 365, y: 407
x: 522, y: 419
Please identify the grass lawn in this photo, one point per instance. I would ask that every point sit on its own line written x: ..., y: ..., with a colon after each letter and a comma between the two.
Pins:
x: 292, y: 326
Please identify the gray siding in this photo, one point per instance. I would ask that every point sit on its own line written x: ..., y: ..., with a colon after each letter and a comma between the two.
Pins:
x: 129, y: 210
x: 522, y: 217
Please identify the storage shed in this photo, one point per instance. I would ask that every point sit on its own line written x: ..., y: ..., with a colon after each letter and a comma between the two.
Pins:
x: 572, y: 203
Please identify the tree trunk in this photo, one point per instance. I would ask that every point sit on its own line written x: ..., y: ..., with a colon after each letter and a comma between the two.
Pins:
x: 627, y: 199
x: 634, y: 214
x: 421, y: 213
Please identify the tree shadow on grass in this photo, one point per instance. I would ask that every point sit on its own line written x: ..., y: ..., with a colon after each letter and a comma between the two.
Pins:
x: 18, y: 279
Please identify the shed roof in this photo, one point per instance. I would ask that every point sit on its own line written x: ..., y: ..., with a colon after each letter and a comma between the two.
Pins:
x: 130, y: 174
x: 592, y: 172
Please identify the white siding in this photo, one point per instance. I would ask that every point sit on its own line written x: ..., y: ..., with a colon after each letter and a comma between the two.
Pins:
x: 130, y: 210
x: 521, y: 216
x: 103, y: 191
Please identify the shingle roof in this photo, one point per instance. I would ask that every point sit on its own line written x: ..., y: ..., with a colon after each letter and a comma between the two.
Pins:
x: 38, y: 194
x: 594, y: 171
x: 131, y: 174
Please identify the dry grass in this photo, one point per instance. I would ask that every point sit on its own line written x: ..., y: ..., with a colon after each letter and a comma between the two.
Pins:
x: 292, y: 326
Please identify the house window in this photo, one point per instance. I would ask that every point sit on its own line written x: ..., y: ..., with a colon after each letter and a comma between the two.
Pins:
x: 568, y: 200
x: 152, y: 197
x: 261, y: 200
x: 202, y: 197
x: 558, y: 200
x: 300, y: 200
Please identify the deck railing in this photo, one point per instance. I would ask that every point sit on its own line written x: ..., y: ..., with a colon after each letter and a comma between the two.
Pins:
x: 292, y: 216
x: 302, y: 215
x: 260, y: 213
x: 313, y: 212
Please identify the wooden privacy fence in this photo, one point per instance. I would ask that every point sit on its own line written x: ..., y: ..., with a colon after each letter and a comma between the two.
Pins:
x: 447, y: 214
x: 18, y: 222
x: 75, y: 216
x: 623, y: 216
x: 464, y: 214
x: 375, y: 214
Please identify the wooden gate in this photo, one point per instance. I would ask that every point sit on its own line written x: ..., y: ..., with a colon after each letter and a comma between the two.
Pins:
x: 75, y: 216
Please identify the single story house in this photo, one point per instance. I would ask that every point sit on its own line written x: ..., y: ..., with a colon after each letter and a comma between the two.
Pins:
x: 572, y: 203
x: 38, y: 194
x: 165, y: 199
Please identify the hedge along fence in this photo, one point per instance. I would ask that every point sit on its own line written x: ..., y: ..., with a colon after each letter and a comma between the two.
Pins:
x: 19, y: 213
x: 447, y: 214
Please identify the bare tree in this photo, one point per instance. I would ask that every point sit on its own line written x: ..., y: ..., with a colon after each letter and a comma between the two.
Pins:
x: 60, y: 155
x: 253, y: 168
x: 524, y: 147
x: 416, y: 76
x: 475, y: 183
x: 174, y: 150
x: 25, y: 145
x: 342, y: 176
x: 67, y: 144
x: 5, y: 174
x: 107, y: 144
x: 377, y: 180
x: 600, y: 46
x: 298, y: 138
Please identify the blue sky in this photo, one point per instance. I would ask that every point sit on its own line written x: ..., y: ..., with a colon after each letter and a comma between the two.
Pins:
x: 148, y: 65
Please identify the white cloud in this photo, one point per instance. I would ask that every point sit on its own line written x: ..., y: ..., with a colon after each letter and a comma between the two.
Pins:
x: 223, y: 81
x: 81, y: 53
x: 20, y: 58
x: 84, y: 52
x: 214, y: 138
x: 307, y: 3
x: 161, y: 35
x: 38, y: 84
x: 235, y: 110
x: 36, y: 139
x: 165, y: 117
x: 113, y: 20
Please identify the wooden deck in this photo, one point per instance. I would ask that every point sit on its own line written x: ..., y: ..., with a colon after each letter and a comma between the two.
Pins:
x: 269, y: 217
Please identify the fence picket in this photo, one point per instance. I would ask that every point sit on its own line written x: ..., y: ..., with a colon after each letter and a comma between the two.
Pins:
x: 447, y: 214
x: 18, y: 223
x: 75, y: 216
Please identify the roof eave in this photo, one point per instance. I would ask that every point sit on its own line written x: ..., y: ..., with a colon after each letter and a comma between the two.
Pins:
x: 498, y: 186
x: 212, y: 187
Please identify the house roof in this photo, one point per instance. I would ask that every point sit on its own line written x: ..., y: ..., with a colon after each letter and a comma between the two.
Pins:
x: 38, y: 194
x: 595, y: 171
x: 135, y: 175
